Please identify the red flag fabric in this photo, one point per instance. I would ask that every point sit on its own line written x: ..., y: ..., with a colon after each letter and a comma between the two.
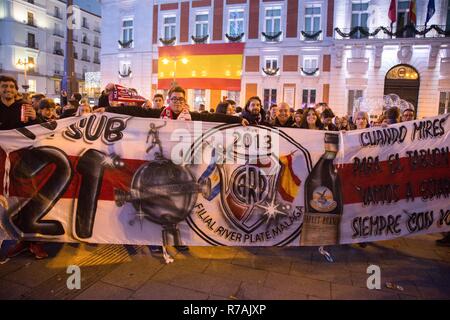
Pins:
x: 393, y: 11
x: 412, y: 12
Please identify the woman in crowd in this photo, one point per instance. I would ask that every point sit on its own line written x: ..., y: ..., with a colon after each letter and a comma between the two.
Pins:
x: 344, y: 124
x: 361, y: 120
x: 311, y: 120
x: 297, y: 118
x: 225, y: 108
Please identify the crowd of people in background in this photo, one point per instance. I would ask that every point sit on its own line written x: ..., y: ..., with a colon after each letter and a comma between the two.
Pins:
x: 20, y: 109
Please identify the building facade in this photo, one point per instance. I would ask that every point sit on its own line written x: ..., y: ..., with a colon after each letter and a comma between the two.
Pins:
x: 296, y: 51
x: 35, y: 31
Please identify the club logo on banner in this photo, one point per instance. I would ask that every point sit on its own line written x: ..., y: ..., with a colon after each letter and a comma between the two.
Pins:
x: 255, y: 182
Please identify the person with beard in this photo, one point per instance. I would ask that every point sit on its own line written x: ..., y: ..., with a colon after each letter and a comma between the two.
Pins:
x: 11, y: 109
x: 10, y: 118
x: 284, y: 116
x: 253, y: 112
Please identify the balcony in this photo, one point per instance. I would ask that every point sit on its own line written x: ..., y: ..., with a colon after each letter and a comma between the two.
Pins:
x: 58, y: 73
x: 309, y: 71
x: 97, y: 45
x: 409, y: 31
x: 97, y: 30
x: 125, y: 44
x: 85, y: 41
x: 234, y: 37
x: 58, y: 52
x: 80, y: 76
x: 85, y: 25
x: 75, y: 55
x: 32, y: 45
x: 75, y: 38
x: 168, y: 41
x: 96, y: 61
x: 272, y: 36
x: 58, y: 33
x: 311, y: 35
x: 31, y: 23
x: 57, y: 16
x: 86, y: 59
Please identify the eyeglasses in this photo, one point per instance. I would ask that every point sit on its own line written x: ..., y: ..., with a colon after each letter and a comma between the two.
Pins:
x: 175, y: 100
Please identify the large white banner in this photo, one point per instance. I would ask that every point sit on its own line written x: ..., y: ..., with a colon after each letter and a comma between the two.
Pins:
x: 110, y: 178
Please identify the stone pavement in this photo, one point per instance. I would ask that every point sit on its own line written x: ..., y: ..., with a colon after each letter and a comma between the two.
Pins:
x: 236, y: 273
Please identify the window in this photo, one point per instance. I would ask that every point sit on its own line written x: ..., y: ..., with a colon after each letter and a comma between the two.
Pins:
x: 32, y: 85
x: 360, y: 15
x: 84, y: 54
x: 57, y: 45
x: 169, y: 25
x: 96, y: 42
x: 199, y: 98
x: 31, y: 40
x: 57, y: 13
x: 444, y: 103
x: 402, y: 18
x: 308, y: 96
x: 125, y: 67
x: 271, y: 63
x: 353, y: 95
x: 235, y: 96
x: 447, y: 26
x: 270, y: 97
x: 31, y: 62
x: 96, y: 57
x: 273, y: 20
x: 57, y: 86
x: 312, y: 18
x: 85, y: 24
x: 85, y: 70
x: 236, y: 22
x: 310, y: 63
x: 201, y: 24
x: 30, y: 19
x: 127, y: 30
x: 85, y: 38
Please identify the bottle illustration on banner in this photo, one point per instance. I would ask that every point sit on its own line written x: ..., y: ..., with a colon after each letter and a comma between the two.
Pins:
x: 323, y: 199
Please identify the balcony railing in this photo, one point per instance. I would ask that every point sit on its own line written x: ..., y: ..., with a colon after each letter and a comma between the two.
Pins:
x: 32, y: 45
x: 311, y: 35
x: 272, y: 36
x: 96, y: 61
x: 57, y: 16
x: 31, y: 23
x: 58, y: 33
x: 85, y: 58
x: 85, y: 41
x: 97, y: 30
x: 58, y: 73
x: 409, y: 31
x: 97, y: 45
x: 168, y: 41
x: 75, y: 55
x: 58, y: 52
x: 85, y: 25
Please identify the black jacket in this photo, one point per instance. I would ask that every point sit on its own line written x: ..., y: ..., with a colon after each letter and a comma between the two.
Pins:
x: 103, y: 100
x: 288, y: 123
x: 252, y: 119
x: 155, y: 113
x: 10, y: 116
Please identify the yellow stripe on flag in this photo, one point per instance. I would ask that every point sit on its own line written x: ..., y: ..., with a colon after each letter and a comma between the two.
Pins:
x: 290, y: 183
x: 227, y: 66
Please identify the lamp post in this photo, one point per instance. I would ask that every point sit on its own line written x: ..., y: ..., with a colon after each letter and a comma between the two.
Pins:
x: 175, y: 60
x: 25, y: 63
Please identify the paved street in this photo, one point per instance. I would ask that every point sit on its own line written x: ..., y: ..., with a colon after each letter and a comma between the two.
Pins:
x: 415, y: 264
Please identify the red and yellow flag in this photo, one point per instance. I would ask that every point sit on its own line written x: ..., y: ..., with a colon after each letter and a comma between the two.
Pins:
x: 289, y: 182
x: 412, y: 12
x: 201, y: 66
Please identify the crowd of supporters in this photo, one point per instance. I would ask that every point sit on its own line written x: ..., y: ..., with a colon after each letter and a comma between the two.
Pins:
x: 19, y: 110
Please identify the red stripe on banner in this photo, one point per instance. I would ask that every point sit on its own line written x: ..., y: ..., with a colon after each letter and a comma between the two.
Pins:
x: 201, y: 49
x: 424, y: 181
x: 286, y: 196
x: 202, y: 83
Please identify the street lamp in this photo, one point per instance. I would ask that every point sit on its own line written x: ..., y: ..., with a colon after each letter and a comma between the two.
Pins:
x: 26, y: 64
x: 183, y: 60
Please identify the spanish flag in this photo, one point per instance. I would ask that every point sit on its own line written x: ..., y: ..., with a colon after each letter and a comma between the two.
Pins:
x: 412, y: 12
x: 201, y: 66
x: 289, y: 182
